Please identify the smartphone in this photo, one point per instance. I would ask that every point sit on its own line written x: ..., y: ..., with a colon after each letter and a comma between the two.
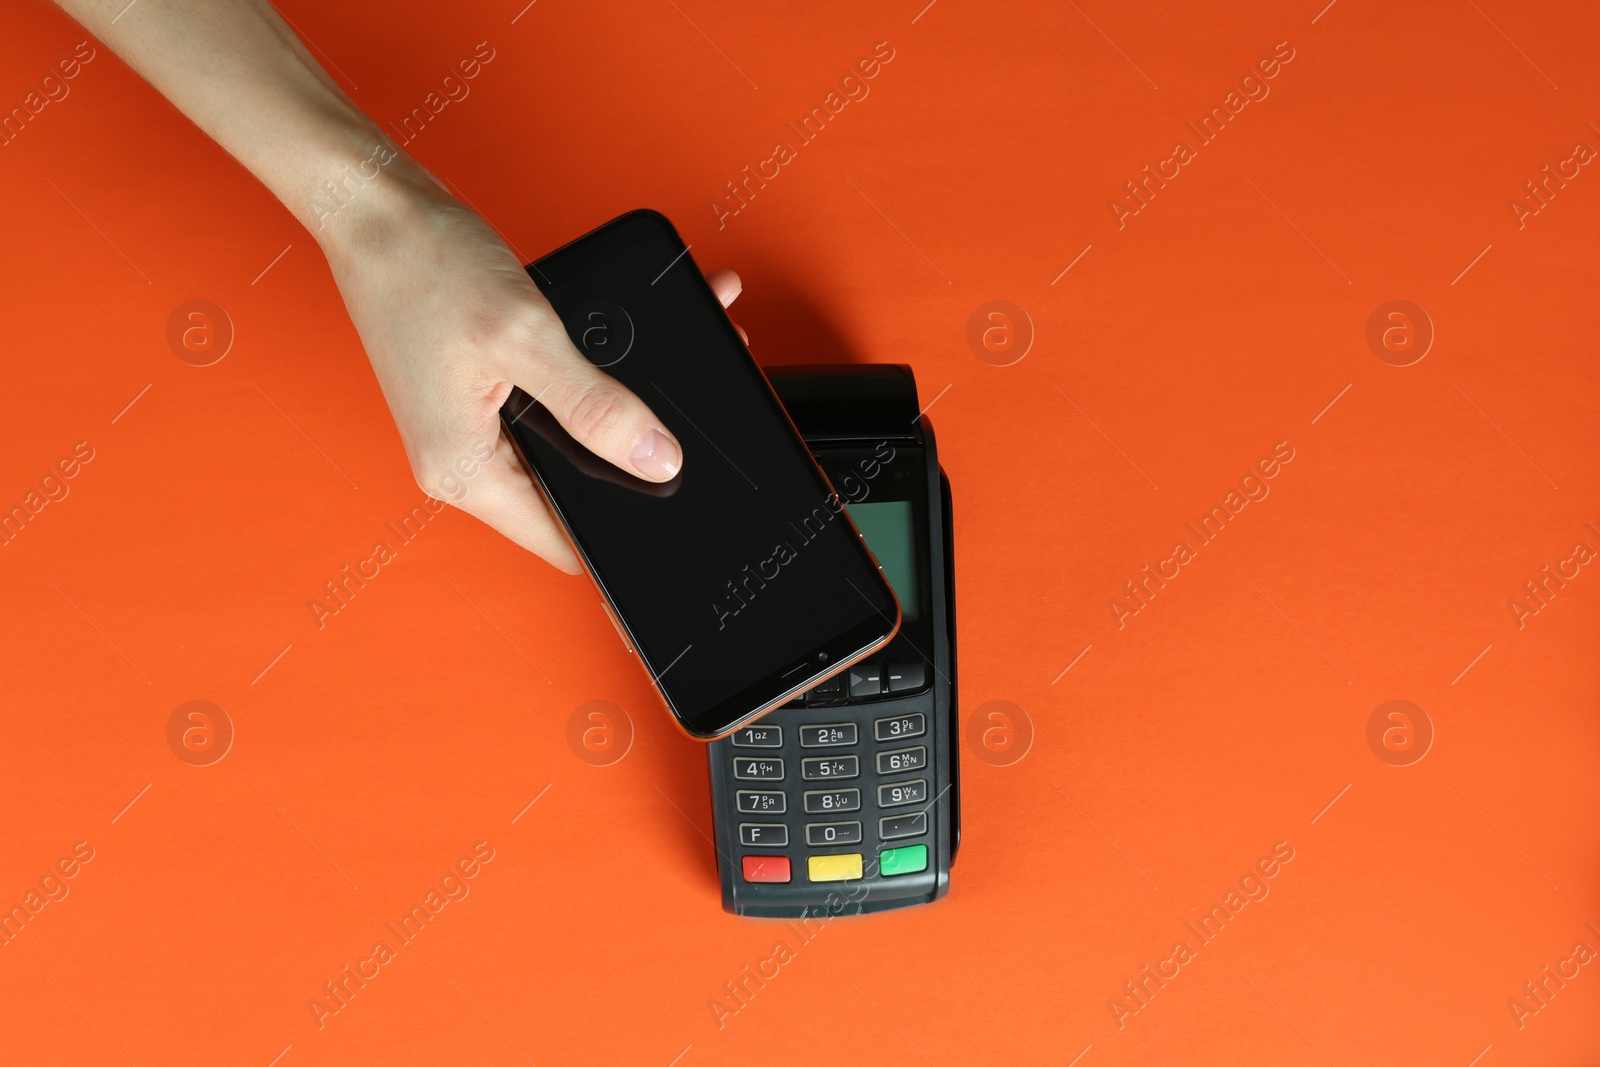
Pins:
x: 743, y: 581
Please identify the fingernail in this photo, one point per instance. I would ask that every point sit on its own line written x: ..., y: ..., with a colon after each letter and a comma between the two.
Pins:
x: 656, y: 456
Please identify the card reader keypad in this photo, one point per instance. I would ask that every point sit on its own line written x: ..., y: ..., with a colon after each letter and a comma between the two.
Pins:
x: 867, y: 825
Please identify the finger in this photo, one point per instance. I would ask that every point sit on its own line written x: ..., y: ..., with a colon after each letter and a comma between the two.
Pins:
x: 599, y: 412
x: 726, y: 284
x: 503, y: 497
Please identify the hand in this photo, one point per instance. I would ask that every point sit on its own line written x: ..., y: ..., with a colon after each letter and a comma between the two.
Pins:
x: 451, y: 321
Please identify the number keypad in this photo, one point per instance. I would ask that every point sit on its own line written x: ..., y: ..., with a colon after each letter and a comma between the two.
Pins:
x: 846, y: 806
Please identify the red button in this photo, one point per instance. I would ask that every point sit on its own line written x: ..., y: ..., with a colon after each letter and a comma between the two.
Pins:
x: 766, y: 868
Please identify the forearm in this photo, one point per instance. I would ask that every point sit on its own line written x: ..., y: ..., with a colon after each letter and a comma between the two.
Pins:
x: 243, y: 77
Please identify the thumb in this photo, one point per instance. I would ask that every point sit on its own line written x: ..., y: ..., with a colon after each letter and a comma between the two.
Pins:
x: 598, y: 411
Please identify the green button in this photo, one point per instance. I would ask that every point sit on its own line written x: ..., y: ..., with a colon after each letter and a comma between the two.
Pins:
x: 908, y: 859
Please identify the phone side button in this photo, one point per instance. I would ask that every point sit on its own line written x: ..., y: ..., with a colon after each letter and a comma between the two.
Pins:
x: 617, y: 624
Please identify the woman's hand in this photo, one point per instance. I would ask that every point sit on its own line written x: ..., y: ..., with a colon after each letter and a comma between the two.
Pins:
x: 451, y: 321
x: 448, y: 316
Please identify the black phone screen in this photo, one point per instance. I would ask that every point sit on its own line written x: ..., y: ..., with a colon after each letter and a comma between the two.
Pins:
x: 740, y: 580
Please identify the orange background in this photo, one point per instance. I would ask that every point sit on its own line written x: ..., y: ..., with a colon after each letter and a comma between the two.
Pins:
x: 1223, y: 718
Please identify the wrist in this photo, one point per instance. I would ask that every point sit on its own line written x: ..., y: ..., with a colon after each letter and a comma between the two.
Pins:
x: 366, y: 189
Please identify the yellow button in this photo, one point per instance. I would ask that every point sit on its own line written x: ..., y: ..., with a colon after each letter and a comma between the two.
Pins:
x: 838, y: 868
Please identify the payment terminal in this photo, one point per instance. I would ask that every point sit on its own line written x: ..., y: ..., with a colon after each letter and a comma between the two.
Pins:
x: 846, y: 800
